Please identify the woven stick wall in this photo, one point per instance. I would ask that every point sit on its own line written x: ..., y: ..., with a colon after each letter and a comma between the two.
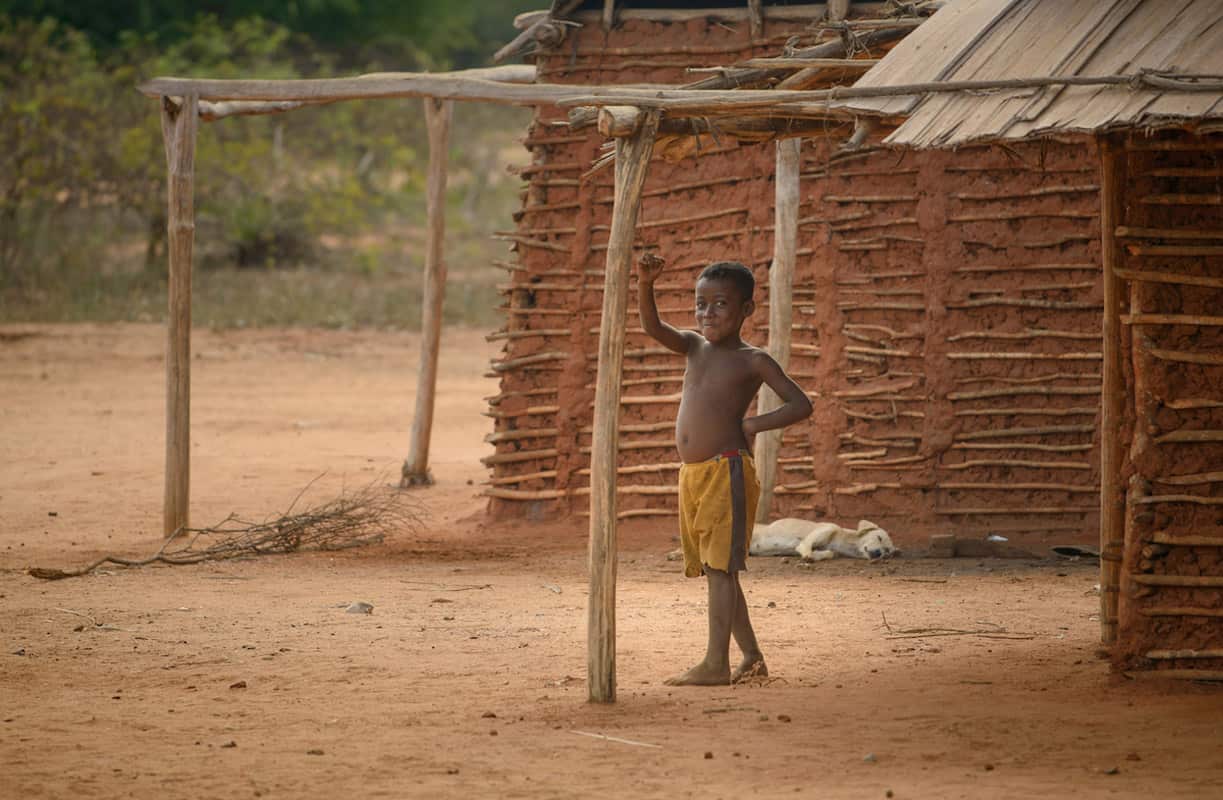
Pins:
x: 946, y: 318
x: 1171, y: 269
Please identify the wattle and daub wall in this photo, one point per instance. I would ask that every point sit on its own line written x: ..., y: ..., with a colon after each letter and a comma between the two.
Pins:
x: 1171, y: 266
x: 947, y: 311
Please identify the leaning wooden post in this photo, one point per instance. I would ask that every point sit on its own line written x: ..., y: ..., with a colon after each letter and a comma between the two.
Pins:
x: 415, y: 470
x: 781, y: 290
x: 632, y: 162
x: 1112, y: 493
x: 179, y: 120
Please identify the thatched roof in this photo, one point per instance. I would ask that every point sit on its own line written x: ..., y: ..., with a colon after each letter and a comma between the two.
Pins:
x: 973, y: 40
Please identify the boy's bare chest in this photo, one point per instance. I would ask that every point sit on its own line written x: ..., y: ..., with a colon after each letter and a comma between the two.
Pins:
x: 713, y: 371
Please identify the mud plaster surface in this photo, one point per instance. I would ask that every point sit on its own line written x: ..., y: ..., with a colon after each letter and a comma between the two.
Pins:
x: 473, y: 620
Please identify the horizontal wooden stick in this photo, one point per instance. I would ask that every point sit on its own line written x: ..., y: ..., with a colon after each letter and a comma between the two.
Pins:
x: 527, y: 241
x: 1020, y: 391
x: 497, y: 398
x: 1042, y: 448
x: 1027, y: 412
x: 1200, y: 320
x: 1042, y: 192
x: 1034, y: 487
x: 1193, y: 403
x: 1018, y: 215
x: 1128, y: 232
x: 855, y: 306
x: 1167, y: 537
x: 1191, y: 499
x: 891, y: 462
x: 1169, y: 277
x: 878, y: 276
x: 870, y: 198
x: 1018, y: 512
x: 525, y: 494
x: 882, y: 351
x: 1176, y: 674
x: 1196, y: 581
x: 1184, y: 199
x: 1025, y: 356
x: 682, y: 101
x: 1066, y: 305
x: 1008, y: 268
x: 526, y: 334
x: 1160, y: 655
x: 532, y: 411
x: 1014, y: 462
x: 635, y: 427
x: 650, y: 444
x: 1174, y: 250
x: 1029, y: 333
x: 884, y: 223
x: 883, y: 416
x: 639, y: 468
x: 863, y: 488
x: 1186, y: 356
x: 854, y: 454
x: 1045, y: 430
x: 528, y: 476
x: 1196, y: 436
x: 526, y: 433
x: 524, y: 361
x: 1046, y: 378
x: 862, y: 64
x: 1057, y: 241
x: 519, y: 455
x: 1180, y: 611
x: 889, y: 388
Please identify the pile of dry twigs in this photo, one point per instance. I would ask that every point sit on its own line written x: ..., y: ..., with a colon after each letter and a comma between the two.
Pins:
x: 354, y: 519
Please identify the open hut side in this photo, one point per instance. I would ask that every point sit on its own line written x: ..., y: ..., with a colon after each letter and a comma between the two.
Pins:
x: 946, y: 315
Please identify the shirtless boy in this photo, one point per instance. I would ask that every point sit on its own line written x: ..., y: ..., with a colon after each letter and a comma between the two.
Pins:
x: 717, y: 482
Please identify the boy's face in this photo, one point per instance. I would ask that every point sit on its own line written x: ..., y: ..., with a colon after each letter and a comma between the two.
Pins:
x: 720, y: 309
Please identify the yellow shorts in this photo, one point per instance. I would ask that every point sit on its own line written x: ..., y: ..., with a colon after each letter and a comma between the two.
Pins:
x: 717, y: 507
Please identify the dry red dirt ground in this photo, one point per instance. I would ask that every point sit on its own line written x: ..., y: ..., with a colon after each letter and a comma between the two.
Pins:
x: 467, y: 680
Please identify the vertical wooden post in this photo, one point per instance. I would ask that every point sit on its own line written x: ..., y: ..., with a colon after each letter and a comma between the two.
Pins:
x: 838, y: 10
x: 415, y: 470
x: 632, y: 163
x: 1112, y: 493
x: 179, y: 121
x: 781, y: 308
x: 755, y: 19
x: 609, y: 14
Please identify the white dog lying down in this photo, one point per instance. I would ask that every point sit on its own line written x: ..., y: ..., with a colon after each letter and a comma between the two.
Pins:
x: 816, y: 541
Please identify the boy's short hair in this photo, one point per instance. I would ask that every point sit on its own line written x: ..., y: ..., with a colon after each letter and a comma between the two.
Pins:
x: 732, y: 271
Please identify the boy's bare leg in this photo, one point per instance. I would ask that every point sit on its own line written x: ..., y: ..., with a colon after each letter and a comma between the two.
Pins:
x: 715, y: 669
x: 752, y: 665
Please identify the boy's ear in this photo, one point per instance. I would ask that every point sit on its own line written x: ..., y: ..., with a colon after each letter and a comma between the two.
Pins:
x: 749, y: 307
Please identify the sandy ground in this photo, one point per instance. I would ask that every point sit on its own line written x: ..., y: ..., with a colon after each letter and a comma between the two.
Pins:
x: 247, y: 678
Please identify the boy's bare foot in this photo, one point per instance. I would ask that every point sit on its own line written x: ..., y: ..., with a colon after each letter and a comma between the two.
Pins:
x: 701, y: 675
x: 752, y: 667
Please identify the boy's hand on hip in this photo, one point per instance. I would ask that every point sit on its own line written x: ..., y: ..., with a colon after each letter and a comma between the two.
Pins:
x: 649, y: 267
x: 749, y: 430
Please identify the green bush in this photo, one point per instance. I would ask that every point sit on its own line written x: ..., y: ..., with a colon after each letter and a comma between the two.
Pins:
x: 326, y: 189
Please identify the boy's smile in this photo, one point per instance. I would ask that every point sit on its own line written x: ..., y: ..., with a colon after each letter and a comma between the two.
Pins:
x: 720, y: 309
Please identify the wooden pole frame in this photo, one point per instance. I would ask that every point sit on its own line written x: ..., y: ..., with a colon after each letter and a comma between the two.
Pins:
x: 781, y: 308
x: 438, y: 115
x: 632, y: 163
x: 179, y: 123
x: 1112, y: 492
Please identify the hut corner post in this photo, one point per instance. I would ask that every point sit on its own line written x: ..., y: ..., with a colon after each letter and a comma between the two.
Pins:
x: 781, y: 309
x: 415, y: 470
x: 1112, y: 493
x: 179, y: 121
x: 632, y: 163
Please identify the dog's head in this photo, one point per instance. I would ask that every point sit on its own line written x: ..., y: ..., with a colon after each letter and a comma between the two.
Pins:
x: 873, y: 541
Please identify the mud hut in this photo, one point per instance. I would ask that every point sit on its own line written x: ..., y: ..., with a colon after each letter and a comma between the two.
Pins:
x: 1150, y: 108
x: 944, y: 312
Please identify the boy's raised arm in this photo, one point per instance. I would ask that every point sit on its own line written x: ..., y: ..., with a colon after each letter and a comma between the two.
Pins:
x: 648, y: 269
x: 796, y: 406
